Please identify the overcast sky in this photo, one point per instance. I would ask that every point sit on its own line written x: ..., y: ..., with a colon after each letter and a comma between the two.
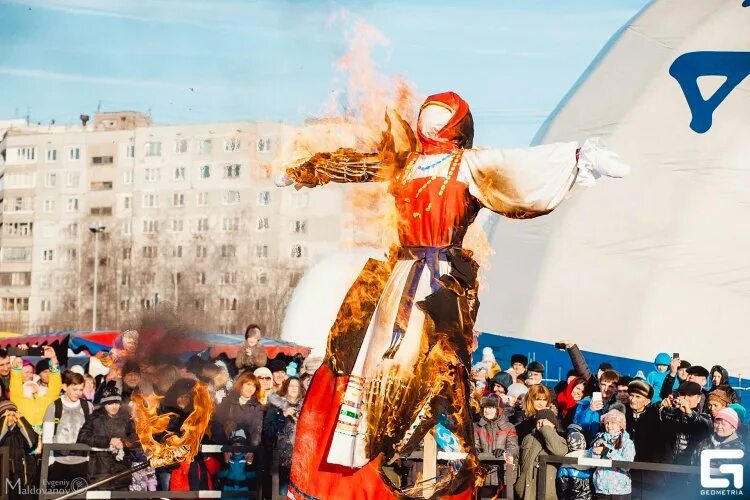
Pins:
x: 217, y: 60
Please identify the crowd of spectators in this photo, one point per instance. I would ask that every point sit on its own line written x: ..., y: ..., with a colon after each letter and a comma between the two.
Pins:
x: 669, y: 415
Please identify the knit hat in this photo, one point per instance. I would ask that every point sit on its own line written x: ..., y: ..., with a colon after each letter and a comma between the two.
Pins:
x: 689, y: 389
x: 42, y: 365
x: 535, y: 366
x: 719, y: 395
x: 698, y: 371
x: 517, y: 390
x: 729, y: 415
x: 78, y: 369
x: 489, y: 402
x: 263, y: 372
x: 740, y: 410
x: 641, y: 387
x: 291, y: 369
x: 662, y: 359
x: 615, y: 416
x: 685, y: 364
x: 26, y: 362
x: 110, y: 394
x: 7, y: 405
x: 576, y: 439
x: 546, y: 414
x: 519, y: 358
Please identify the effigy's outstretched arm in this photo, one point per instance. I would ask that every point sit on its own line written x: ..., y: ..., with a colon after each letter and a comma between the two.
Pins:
x: 348, y: 165
x: 527, y: 183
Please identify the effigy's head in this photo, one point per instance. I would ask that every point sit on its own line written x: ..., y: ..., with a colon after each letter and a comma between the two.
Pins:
x: 445, y: 124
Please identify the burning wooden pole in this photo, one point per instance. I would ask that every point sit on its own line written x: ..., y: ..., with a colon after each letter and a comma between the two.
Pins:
x: 106, y: 480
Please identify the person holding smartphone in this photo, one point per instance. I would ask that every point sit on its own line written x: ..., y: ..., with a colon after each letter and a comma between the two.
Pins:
x: 613, y: 443
x: 33, y: 408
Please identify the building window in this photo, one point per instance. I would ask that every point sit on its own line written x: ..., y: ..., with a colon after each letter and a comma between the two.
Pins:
x: 178, y: 200
x: 27, y: 154
x: 177, y: 251
x: 263, y: 144
x: 125, y: 280
x: 126, y: 253
x: 232, y: 144
x: 300, y: 227
x: 262, y: 224
x: 127, y: 177
x: 51, y: 155
x: 178, y: 225
x: 228, y: 251
x: 205, y: 146
x: 15, y: 254
x: 127, y: 227
x: 230, y: 197
x: 101, y: 211
x: 150, y: 226
x: 145, y: 303
x: 152, y: 175
x: 125, y: 305
x: 153, y: 149
x: 228, y: 304
x: 72, y: 230
x: 228, y: 278
x: 71, y: 255
x: 202, y: 200
x: 179, y: 173
x: 130, y: 151
x: 181, y: 146
x: 46, y: 305
x: 15, y: 304
x: 74, y: 154
x: 17, y: 228
x: 101, y: 186
x: 230, y: 224
x: 49, y: 206
x: 102, y: 160
x: 201, y: 251
x: 16, y: 279
x: 200, y: 278
x: 72, y: 180
x: 264, y: 198
x: 127, y: 202
x: 72, y: 204
x: 298, y: 251
x: 205, y: 171
x: 151, y: 200
x: 149, y: 252
x: 261, y: 251
x: 48, y: 255
x: 50, y: 180
x: 262, y: 277
x: 231, y: 171
x: 202, y: 225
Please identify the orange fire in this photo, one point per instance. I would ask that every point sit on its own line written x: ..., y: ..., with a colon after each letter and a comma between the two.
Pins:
x: 174, y: 448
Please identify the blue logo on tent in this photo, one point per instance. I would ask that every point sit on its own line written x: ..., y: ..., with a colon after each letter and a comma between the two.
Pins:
x: 687, y: 68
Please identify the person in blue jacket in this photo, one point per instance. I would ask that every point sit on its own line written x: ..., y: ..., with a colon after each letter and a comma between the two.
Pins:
x: 656, y: 377
x: 590, y: 409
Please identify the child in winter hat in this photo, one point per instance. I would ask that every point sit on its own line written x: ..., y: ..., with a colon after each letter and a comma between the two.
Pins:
x: 574, y: 481
x: 614, y: 444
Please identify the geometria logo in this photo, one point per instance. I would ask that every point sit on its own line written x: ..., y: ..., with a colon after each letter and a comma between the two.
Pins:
x: 724, y: 464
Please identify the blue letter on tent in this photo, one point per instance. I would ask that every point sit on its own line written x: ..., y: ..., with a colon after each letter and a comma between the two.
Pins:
x: 686, y: 69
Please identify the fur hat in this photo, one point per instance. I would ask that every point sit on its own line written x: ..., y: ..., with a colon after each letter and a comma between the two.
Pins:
x: 639, y: 386
x: 519, y: 358
x: 110, y: 394
x: 277, y: 365
x: 615, y: 416
x: 489, y: 402
x: 698, y: 371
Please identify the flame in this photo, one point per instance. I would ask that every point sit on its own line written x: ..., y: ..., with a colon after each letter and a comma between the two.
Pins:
x: 175, y: 448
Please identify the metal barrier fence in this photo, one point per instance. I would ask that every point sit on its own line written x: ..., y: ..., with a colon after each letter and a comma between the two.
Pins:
x: 45, y: 494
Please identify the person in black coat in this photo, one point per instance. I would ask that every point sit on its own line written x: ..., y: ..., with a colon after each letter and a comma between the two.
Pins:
x: 18, y: 436
x: 683, y: 423
x: 110, y: 428
x: 240, y: 410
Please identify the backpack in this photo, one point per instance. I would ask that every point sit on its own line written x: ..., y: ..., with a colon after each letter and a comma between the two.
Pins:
x: 59, y: 410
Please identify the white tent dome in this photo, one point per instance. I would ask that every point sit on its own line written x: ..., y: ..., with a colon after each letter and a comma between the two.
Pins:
x: 659, y: 261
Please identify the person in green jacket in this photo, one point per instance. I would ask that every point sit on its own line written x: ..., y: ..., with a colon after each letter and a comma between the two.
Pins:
x: 544, y: 440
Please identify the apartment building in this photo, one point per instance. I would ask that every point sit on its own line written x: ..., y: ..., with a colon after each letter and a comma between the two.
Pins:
x: 192, y: 221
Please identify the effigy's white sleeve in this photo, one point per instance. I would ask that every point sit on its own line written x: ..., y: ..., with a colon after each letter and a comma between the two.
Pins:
x: 521, y: 183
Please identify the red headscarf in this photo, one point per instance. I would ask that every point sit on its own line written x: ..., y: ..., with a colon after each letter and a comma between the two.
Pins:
x: 457, y: 133
x: 565, y: 401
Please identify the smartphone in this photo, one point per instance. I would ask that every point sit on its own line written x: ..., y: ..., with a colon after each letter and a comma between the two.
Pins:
x: 596, y: 396
x: 675, y: 355
x: 31, y: 351
x: 560, y: 345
